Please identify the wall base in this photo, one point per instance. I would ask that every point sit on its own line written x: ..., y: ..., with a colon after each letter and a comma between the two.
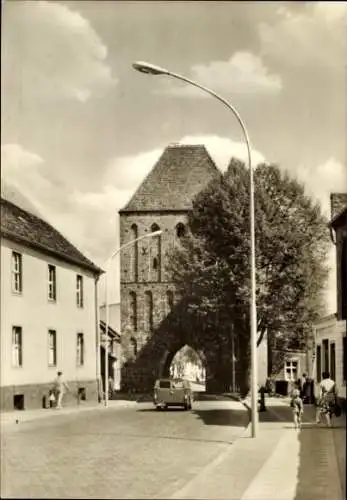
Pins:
x: 36, y: 395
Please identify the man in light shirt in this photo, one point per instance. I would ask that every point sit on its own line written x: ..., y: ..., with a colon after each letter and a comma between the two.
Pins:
x: 60, y: 387
x: 327, y: 398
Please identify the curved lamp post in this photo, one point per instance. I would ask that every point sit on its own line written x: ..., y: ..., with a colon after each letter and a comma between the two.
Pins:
x: 151, y: 69
x: 107, y: 300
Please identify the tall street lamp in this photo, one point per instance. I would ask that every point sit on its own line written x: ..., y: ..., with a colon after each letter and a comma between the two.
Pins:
x: 151, y: 69
x: 107, y: 299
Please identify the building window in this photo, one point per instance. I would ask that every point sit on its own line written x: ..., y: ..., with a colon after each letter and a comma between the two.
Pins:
x: 80, y: 349
x: 344, y: 366
x: 17, y: 346
x: 148, y: 311
x: 52, y: 348
x: 79, y: 290
x: 318, y: 363
x: 325, y: 353
x: 332, y: 361
x: 169, y: 301
x: 17, y: 278
x: 133, y: 342
x: 134, y: 253
x: 180, y: 230
x: 52, y: 283
x: 155, y: 250
x: 133, y: 311
x: 291, y: 371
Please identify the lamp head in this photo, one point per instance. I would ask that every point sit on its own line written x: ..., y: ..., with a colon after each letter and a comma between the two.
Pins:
x: 149, y: 69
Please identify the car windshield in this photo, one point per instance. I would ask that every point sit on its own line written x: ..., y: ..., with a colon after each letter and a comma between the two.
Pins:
x: 164, y: 384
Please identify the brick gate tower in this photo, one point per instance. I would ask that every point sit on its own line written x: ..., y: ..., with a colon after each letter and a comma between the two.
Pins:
x: 162, y: 201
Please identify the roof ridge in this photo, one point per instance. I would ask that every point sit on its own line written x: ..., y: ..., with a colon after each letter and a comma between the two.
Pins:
x: 80, y: 258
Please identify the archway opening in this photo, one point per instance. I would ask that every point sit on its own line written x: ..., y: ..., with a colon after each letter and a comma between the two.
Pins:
x: 189, y: 364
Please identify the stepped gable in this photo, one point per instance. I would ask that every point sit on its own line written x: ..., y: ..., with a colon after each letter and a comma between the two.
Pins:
x: 179, y: 174
x: 26, y: 228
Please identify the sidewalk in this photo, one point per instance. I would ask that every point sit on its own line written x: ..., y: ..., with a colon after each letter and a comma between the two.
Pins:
x: 280, y: 464
x: 22, y: 416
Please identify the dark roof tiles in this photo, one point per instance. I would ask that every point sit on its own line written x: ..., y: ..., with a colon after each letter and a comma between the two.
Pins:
x: 22, y: 226
x: 179, y: 174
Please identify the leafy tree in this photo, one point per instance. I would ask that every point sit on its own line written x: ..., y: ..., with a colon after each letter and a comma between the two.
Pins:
x: 211, y: 267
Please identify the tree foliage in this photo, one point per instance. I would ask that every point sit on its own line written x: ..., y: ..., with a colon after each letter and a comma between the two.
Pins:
x: 211, y: 266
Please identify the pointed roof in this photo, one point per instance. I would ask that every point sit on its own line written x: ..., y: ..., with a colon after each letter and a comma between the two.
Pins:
x: 181, y: 172
x: 28, y: 229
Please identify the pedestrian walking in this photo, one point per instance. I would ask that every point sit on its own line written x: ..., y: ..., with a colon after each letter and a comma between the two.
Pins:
x: 304, y: 387
x: 110, y: 387
x: 297, y: 406
x: 60, y: 387
x: 327, y: 399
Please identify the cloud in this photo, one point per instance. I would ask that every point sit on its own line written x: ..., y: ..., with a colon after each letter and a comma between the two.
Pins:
x: 223, y: 149
x: 25, y: 180
x: 243, y: 73
x: 57, y: 55
x: 328, y: 177
x: 127, y: 171
x: 21, y: 176
x: 321, y: 180
x: 314, y: 34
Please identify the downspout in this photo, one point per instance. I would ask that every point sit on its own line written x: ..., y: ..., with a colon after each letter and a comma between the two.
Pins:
x: 97, y: 338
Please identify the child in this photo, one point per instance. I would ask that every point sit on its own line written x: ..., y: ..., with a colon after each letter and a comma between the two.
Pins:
x: 51, y: 398
x: 298, y: 408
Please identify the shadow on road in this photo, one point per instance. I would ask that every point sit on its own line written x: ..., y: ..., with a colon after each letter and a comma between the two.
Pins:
x: 236, y: 418
x: 155, y: 410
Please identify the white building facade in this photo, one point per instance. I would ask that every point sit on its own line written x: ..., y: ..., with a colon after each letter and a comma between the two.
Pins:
x: 330, y: 352
x: 48, y: 314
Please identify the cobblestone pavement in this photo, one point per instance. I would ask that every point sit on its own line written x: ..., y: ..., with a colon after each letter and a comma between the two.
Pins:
x: 134, y: 452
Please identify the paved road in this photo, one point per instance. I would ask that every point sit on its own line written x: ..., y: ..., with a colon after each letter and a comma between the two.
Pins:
x: 125, y: 453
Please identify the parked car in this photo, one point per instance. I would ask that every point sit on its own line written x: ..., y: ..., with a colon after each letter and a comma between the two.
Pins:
x: 172, y: 392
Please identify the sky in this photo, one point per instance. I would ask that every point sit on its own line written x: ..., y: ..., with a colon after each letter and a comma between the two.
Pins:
x: 81, y: 128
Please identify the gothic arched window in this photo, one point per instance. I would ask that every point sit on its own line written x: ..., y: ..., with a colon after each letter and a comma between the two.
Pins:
x: 134, y: 250
x: 169, y: 301
x: 133, y: 310
x: 148, y: 311
x: 155, y: 256
x: 133, y: 343
x: 180, y: 230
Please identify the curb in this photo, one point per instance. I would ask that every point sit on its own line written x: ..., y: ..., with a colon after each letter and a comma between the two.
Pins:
x: 11, y: 419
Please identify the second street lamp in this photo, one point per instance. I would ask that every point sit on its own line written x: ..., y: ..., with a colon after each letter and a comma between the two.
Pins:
x: 151, y: 69
x: 107, y: 300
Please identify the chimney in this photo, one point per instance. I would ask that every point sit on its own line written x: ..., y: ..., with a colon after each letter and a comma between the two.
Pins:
x: 338, y: 202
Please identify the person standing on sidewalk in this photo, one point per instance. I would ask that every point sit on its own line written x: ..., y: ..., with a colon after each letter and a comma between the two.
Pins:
x: 297, y: 407
x: 327, y: 398
x: 60, y: 387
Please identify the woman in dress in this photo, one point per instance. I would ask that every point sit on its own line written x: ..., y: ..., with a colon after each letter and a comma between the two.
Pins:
x: 327, y: 399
